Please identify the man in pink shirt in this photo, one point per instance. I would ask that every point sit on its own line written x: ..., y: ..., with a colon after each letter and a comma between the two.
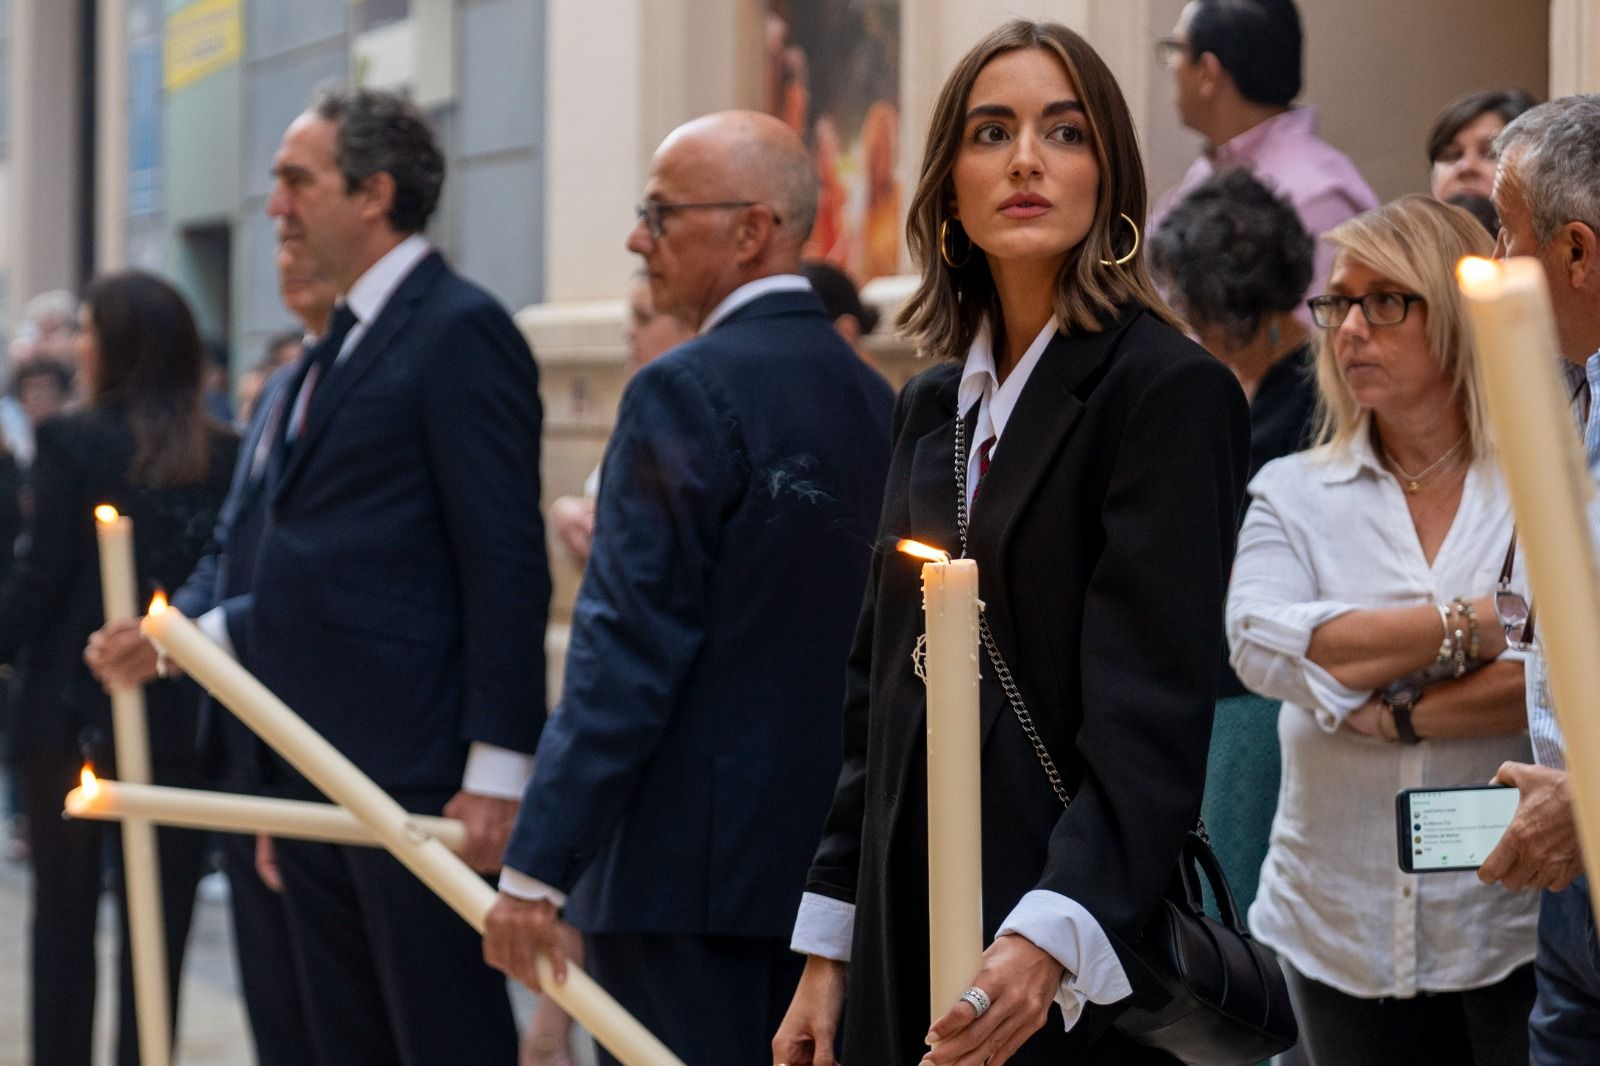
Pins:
x: 1236, y: 71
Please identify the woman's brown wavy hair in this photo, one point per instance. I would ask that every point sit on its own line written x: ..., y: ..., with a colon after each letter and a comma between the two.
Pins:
x: 950, y: 304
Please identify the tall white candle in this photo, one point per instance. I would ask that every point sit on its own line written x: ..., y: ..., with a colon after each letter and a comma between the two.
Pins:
x: 955, y: 796
x: 1509, y: 305
x: 433, y: 863
x: 140, y: 866
x: 228, y: 812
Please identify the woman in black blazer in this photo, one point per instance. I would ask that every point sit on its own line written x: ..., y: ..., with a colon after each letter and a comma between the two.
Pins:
x: 142, y: 443
x: 1103, y: 527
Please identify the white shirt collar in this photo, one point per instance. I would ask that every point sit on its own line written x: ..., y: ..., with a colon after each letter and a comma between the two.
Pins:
x: 754, y: 290
x: 981, y: 385
x: 372, y: 289
x: 1347, y: 462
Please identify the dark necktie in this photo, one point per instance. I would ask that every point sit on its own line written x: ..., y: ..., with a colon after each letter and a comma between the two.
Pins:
x: 983, y: 465
x: 327, y: 349
x: 321, y: 358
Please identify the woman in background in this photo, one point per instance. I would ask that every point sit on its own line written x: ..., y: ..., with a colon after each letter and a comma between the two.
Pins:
x: 1461, y: 149
x: 142, y: 443
x: 1362, y: 597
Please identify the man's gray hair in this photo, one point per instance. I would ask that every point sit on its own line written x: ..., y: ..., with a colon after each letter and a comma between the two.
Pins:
x: 383, y: 131
x: 58, y: 304
x: 783, y: 177
x: 1554, y: 152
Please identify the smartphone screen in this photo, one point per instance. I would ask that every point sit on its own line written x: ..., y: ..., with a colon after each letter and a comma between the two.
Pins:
x: 1451, y: 828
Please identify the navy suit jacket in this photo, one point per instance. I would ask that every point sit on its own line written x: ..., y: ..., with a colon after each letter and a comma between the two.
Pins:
x: 401, y: 588
x: 690, y: 767
x: 224, y: 571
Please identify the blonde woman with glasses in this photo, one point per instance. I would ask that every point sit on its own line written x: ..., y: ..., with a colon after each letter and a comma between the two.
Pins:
x: 1363, y: 597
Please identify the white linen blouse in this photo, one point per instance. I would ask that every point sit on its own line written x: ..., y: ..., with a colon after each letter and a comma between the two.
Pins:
x: 1330, y: 533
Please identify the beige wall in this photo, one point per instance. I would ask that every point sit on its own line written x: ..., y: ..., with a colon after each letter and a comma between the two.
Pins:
x: 623, y: 74
x: 39, y: 213
x: 1574, y: 46
x: 1378, y: 92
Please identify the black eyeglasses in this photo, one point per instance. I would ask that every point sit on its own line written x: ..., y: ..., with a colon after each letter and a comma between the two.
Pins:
x: 1379, y: 308
x: 1170, y: 49
x: 653, y: 213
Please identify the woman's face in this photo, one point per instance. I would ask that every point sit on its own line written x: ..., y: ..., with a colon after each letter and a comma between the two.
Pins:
x: 87, y: 347
x: 1390, y: 370
x: 1026, y: 179
x: 1466, y: 164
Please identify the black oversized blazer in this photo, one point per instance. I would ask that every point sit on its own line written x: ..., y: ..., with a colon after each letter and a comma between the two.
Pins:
x: 1104, y: 536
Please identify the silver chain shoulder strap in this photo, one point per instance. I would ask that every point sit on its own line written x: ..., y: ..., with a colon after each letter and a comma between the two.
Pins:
x: 1001, y: 671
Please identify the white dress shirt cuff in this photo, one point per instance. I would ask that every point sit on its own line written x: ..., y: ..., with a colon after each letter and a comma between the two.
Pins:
x: 214, y: 624
x: 1333, y: 702
x: 498, y: 772
x: 824, y: 927
x: 520, y: 885
x: 1285, y: 628
x: 1069, y: 933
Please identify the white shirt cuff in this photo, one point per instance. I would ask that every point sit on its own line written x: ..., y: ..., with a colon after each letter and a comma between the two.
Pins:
x: 520, y: 885
x: 1069, y: 933
x: 214, y: 624
x: 498, y: 772
x: 824, y: 927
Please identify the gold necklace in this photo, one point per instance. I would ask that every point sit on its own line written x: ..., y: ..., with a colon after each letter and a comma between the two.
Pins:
x: 1412, y: 482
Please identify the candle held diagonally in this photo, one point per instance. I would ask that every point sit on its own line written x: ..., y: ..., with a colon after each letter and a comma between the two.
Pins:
x: 443, y: 872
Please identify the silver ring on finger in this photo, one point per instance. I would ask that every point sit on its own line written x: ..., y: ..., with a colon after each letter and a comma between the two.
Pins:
x: 977, y: 999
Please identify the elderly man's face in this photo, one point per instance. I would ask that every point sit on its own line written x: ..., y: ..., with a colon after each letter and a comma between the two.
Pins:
x: 1517, y: 237
x: 691, y: 265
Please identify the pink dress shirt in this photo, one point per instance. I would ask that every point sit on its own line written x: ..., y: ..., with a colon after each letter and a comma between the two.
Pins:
x: 1285, y: 153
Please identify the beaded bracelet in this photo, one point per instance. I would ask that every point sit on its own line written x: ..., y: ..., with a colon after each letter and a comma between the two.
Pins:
x: 1473, y: 643
x: 1447, y: 645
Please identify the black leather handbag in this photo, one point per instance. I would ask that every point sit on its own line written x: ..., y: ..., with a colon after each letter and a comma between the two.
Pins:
x: 1204, y: 991
x: 1211, y: 995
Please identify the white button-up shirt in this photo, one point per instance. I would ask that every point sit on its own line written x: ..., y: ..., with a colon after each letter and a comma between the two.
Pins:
x: 1329, y: 534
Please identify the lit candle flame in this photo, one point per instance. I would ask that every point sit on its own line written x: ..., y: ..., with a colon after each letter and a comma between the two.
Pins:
x: 91, y: 784
x: 919, y: 550
x: 106, y: 514
x: 1479, y: 276
x: 158, y: 602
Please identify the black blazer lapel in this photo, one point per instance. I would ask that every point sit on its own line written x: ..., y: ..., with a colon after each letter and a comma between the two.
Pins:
x: 932, y: 503
x: 331, y: 393
x: 1049, y: 408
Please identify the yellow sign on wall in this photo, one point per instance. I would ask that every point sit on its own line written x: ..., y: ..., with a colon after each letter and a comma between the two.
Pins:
x: 201, y: 39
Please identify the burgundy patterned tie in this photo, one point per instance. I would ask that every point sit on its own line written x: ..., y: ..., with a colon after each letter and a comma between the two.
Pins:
x: 983, y: 466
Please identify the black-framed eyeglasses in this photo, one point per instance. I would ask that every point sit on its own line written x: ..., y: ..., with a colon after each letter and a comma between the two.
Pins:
x: 653, y: 213
x: 1379, y: 308
x: 1170, y: 49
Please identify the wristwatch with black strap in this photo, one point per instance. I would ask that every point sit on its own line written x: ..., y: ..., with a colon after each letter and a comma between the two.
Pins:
x: 1402, y: 699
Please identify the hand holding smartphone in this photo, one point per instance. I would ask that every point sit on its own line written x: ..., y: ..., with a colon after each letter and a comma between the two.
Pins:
x: 1451, y: 828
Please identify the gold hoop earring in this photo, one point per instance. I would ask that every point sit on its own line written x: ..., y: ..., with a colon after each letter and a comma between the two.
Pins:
x: 944, y: 248
x: 1125, y: 260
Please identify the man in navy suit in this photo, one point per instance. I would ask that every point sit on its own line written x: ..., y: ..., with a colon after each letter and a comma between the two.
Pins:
x: 686, y: 777
x: 119, y: 655
x: 400, y: 589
